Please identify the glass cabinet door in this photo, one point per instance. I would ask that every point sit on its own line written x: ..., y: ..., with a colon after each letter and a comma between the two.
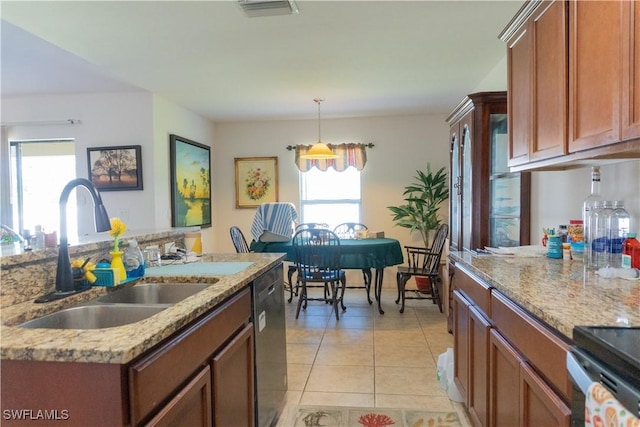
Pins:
x: 455, y: 192
x: 467, y: 202
x: 504, y: 211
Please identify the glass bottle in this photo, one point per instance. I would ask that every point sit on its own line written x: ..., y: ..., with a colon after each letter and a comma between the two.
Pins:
x: 600, y: 232
x: 587, y: 207
x: 631, y: 252
x: 619, y: 220
x: 134, y: 260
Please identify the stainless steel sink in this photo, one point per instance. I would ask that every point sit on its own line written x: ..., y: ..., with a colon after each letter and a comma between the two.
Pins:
x: 154, y: 293
x: 94, y: 316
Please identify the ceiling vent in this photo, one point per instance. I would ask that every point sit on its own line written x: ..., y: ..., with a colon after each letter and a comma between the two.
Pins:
x: 253, y: 8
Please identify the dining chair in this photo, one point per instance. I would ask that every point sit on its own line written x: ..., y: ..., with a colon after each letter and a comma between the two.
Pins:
x: 423, y: 262
x: 239, y: 242
x: 348, y: 230
x: 293, y: 286
x: 317, y: 260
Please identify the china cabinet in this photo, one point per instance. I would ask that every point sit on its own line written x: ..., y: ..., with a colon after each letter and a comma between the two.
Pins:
x: 489, y: 205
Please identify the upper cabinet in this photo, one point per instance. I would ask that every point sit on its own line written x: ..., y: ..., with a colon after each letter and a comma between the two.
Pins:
x: 573, y: 80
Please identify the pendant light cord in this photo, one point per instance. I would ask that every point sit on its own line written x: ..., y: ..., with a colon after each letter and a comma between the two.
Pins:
x: 318, y: 101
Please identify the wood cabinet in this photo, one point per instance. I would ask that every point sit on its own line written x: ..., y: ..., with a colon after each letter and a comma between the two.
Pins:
x: 233, y: 383
x: 573, y: 75
x: 488, y: 204
x: 537, y: 85
x: 200, y: 376
x: 508, y: 366
x: 594, y: 73
x: 191, y: 407
x: 630, y: 70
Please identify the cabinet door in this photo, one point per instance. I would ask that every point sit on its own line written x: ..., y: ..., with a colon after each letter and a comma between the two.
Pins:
x: 504, y: 382
x: 461, y: 343
x: 455, y: 189
x: 233, y: 388
x: 595, y: 78
x: 519, y: 48
x: 549, y: 103
x: 540, y: 406
x: 479, y: 329
x: 467, y: 147
x: 631, y: 70
x: 191, y: 407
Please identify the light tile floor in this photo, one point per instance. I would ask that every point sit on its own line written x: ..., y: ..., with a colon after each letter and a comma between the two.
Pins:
x: 366, y: 359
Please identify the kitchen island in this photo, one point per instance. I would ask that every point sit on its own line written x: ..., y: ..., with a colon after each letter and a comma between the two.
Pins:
x: 190, y: 364
x: 513, y: 319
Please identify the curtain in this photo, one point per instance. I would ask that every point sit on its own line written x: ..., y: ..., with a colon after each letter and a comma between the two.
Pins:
x: 348, y: 155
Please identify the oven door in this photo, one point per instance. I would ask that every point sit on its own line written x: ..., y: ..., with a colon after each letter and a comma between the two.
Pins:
x: 584, y: 369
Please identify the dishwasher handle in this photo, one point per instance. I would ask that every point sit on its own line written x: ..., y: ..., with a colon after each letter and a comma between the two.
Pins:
x: 577, y: 373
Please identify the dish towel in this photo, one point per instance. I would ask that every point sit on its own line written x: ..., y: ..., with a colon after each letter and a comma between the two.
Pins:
x: 603, y: 409
x: 277, y: 218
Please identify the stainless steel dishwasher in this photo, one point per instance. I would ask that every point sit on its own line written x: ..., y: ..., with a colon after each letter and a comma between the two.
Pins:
x: 270, y: 346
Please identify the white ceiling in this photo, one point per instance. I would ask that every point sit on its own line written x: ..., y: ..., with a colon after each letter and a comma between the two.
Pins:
x: 365, y: 58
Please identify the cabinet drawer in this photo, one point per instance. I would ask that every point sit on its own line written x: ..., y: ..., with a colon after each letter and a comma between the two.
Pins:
x: 156, y: 376
x: 545, y: 351
x: 479, y: 293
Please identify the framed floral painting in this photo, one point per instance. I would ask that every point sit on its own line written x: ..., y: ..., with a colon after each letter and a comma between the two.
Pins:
x: 256, y: 181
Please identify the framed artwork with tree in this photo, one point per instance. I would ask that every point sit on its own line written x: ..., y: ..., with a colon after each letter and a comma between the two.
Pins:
x: 190, y: 167
x: 117, y: 168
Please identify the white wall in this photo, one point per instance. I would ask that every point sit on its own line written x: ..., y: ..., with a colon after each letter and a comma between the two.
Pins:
x: 557, y: 196
x: 403, y: 144
x: 170, y: 118
x: 137, y: 118
x: 106, y: 120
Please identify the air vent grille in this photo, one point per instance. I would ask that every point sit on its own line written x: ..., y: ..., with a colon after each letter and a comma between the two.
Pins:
x: 254, y: 8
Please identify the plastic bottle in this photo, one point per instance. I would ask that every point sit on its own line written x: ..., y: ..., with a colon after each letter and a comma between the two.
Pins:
x: 134, y: 260
x: 619, y: 220
x: 631, y: 251
x: 600, y: 245
x: 587, y: 207
x: 38, y: 239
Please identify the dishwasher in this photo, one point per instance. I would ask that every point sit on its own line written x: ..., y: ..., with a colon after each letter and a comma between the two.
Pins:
x: 270, y: 346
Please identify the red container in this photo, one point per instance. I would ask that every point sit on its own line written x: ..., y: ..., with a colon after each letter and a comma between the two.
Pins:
x: 631, y: 249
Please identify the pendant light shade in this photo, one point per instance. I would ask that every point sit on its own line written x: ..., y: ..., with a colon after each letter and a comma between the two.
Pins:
x: 319, y: 150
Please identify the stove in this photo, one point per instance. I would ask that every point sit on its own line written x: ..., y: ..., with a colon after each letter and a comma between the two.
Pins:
x: 619, y: 347
x: 610, y: 356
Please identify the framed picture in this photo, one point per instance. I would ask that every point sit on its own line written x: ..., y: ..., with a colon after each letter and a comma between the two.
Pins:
x: 256, y: 181
x: 190, y: 167
x: 117, y: 168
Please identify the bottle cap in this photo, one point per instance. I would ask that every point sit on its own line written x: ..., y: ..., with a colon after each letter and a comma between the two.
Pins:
x: 631, y: 235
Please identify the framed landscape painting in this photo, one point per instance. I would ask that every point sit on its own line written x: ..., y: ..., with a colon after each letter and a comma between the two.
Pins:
x: 256, y: 181
x: 117, y: 168
x: 190, y: 168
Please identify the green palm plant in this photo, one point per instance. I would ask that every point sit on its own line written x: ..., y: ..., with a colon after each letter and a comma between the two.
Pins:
x: 424, y: 196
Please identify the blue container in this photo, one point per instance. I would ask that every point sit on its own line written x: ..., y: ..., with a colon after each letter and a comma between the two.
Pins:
x: 554, y: 247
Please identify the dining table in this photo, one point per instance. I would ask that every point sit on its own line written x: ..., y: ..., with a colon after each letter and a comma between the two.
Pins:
x: 375, y: 253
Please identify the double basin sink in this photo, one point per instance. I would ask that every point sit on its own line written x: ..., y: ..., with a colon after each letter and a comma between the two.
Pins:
x: 120, y: 307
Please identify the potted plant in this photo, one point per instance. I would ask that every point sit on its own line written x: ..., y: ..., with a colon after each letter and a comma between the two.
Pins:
x: 420, y: 212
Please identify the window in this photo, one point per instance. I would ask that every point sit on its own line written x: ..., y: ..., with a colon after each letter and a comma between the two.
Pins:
x: 39, y: 172
x: 330, y: 197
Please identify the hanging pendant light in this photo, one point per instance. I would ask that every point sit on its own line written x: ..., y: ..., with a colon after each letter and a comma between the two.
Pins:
x: 319, y: 150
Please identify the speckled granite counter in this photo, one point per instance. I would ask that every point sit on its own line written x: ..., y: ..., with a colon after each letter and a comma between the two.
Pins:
x: 121, y: 344
x: 560, y: 293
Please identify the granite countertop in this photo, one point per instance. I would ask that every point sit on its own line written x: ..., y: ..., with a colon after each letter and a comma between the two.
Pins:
x: 122, y: 344
x: 561, y: 293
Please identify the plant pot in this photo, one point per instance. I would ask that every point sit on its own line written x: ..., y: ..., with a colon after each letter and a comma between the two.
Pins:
x: 423, y: 284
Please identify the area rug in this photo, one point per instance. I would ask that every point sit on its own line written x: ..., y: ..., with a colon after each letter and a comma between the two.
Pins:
x: 337, y: 416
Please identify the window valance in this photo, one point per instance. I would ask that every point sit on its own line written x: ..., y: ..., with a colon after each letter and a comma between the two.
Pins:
x: 351, y: 154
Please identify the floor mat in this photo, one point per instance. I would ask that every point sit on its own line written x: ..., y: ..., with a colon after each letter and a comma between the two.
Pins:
x: 338, y: 416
